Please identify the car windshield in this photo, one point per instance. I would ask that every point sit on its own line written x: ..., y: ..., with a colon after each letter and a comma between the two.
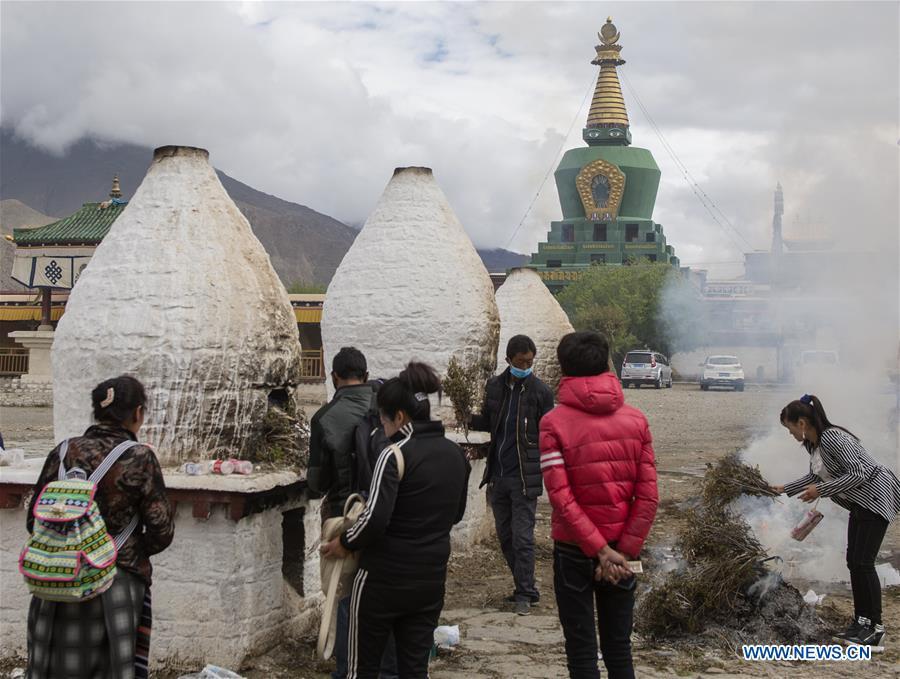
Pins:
x: 723, y: 360
x: 637, y: 357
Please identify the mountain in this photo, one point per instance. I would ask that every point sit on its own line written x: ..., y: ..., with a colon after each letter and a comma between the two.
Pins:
x: 304, y: 245
x: 15, y: 215
x: 500, y: 260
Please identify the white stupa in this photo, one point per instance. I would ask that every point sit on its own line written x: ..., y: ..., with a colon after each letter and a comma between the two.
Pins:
x: 181, y: 295
x: 412, y: 286
x: 527, y: 307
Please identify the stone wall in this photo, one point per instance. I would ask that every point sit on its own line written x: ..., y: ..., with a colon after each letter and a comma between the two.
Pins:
x: 16, y: 393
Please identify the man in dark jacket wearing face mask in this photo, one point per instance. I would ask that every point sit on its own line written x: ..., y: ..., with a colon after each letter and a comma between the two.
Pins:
x: 514, y: 403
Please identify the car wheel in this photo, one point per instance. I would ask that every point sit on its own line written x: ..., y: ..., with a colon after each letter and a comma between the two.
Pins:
x: 739, y: 387
x: 658, y: 384
x: 704, y: 387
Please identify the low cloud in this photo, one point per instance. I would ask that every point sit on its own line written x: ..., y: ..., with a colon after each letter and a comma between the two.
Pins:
x: 318, y: 102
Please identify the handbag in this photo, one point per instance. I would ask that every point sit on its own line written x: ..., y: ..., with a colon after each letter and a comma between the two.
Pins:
x: 337, y: 573
x: 812, y: 519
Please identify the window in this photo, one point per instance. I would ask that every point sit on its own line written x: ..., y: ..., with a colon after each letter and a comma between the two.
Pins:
x: 599, y: 258
x: 568, y: 233
x: 631, y: 233
x: 600, y: 232
x: 554, y: 263
x: 651, y: 237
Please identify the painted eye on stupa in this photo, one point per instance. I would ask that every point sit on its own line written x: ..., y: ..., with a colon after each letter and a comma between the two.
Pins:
x: 615, y: 133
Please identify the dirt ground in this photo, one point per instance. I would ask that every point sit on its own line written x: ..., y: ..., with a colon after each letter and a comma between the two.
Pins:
x: 690, y: 428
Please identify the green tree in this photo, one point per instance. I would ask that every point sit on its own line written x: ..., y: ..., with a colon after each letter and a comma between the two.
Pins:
x: 644, y: 304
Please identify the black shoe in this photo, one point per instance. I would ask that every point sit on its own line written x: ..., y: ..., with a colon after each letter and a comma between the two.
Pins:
x: 534, y: 600
x: 852, y: 631
x: 870, y: 635
x: 523, y: 608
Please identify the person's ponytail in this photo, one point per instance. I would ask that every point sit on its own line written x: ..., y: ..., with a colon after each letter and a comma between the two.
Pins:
x: 409, y: 391
x: 810, y: 407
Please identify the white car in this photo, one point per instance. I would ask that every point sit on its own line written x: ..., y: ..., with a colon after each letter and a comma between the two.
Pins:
x: 722, y: 371
x: 644, y: 366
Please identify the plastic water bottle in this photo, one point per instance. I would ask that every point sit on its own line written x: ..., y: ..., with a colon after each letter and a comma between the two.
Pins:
x: 242, y: 466
x: 221, y: 467
x: 193, y: 468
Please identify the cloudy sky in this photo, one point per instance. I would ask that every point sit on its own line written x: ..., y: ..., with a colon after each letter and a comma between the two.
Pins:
x: 318, y: 102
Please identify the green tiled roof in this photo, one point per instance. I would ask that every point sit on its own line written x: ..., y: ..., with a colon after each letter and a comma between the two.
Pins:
x: 87, y: 226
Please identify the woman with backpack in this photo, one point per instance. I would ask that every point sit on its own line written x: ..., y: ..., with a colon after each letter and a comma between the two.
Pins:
x: 105, y: 635
x: 841, y: 469
x: 418, y: 492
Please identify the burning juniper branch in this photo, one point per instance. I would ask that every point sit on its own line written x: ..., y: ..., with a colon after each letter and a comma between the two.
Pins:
x: 717, y: 589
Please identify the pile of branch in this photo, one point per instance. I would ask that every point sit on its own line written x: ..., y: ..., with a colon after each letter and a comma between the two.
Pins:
x: 723, y: 585
x: 285, y: 439
x: 730, y: 478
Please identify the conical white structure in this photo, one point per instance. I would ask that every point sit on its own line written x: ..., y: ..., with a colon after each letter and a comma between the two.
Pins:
x: 412, y: 286
x: 527, y: 307
x: 181, y: 295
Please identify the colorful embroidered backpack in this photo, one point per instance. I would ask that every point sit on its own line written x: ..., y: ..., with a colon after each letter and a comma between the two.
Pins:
x: 70, y: 555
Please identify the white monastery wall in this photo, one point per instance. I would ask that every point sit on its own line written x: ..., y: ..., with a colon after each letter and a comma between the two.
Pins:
x: 412, y: 285
x: 183, y: 296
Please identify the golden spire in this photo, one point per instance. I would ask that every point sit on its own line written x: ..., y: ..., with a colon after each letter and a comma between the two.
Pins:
x: 116, y: 191
x: 608, y: 106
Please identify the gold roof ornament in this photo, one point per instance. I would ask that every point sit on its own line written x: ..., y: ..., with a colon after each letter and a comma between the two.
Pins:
x: 608, y: 105
x: 116, y: 191
x: 609, y: 35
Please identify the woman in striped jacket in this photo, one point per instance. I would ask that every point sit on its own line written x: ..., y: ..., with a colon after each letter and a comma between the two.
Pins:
x: 841, y: 469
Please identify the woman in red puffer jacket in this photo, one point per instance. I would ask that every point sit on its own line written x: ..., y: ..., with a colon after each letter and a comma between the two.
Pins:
x: 598, y: 466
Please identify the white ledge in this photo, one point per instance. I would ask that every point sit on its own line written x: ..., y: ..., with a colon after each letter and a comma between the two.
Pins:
x: 257, y: 482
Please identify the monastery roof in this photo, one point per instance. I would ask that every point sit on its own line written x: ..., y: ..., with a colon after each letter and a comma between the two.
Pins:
x: 87, y: 226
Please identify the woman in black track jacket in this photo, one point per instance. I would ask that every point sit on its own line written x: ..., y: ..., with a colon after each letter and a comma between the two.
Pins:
x: 404, y: 532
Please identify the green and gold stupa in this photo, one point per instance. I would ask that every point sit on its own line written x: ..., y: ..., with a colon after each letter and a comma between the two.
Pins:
x: 607, y: 190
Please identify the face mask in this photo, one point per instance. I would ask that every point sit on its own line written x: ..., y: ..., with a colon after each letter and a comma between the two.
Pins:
x: 518, y: 373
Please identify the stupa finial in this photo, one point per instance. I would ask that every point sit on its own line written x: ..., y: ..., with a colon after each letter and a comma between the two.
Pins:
x: 607, y: 121
x: 116, y: 191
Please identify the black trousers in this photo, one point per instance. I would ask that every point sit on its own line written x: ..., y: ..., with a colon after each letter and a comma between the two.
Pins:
x: 865, y: 532
x: 577, y: 594
x: 410, y: 608
x: 514, y: 516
